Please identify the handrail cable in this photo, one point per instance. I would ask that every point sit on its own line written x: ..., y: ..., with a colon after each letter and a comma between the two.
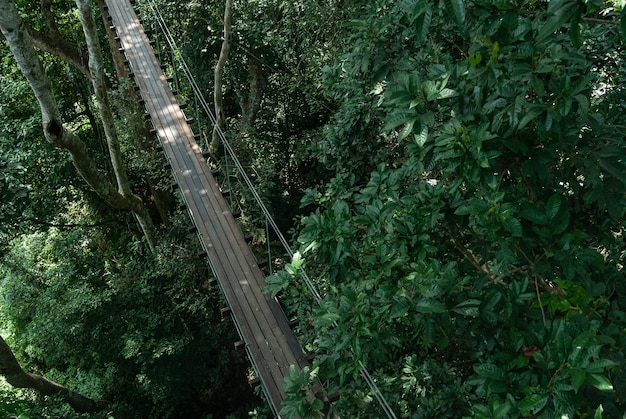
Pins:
x: 238, y: 326
x: 197, y: 91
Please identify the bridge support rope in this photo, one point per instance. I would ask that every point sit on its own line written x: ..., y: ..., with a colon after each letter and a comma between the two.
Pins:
x: 270, y: 342
x: 384, y: 404
x: 262, y: 357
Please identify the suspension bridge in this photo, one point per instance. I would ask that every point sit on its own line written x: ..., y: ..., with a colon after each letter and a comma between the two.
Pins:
x: 263, y: 327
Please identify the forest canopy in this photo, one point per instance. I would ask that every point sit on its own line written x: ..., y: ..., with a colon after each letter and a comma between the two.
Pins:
x: 451, y: 174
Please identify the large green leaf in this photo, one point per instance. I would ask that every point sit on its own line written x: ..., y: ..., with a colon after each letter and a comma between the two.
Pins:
x: 467, y: 308
x: 429, y: 305
x: 561, y: 11
x: 458, y: 10
x: 578, y: 379
x: 533, y: 404
x: 491, y: 371
x: 601, y: 382
x: 423, y: 23
x: 553, y: 206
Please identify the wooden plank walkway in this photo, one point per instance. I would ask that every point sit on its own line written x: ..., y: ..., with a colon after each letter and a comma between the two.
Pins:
x: 261, y: 322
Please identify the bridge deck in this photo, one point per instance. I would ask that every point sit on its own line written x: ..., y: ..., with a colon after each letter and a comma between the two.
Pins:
x: 262, y: 323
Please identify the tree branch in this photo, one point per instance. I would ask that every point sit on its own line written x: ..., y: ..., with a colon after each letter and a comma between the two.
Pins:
x: 472, y: 259
x: 20, y: 42
x: 54, y: 43
x: 220, y: 122
x: 17, y: 377
x: 601, y: 21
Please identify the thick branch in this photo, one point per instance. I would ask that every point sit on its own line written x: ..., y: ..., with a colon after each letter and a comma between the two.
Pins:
x: 46, y: 10
x: 98, y: 79
x: 219, y: 73
x: 21, y: 45
x: 17, y: 377
x: 55, y: 44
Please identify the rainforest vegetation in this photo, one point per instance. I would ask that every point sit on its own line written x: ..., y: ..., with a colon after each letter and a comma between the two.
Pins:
x: 451, y: 175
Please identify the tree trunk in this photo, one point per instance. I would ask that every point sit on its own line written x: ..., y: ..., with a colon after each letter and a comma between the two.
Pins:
x: 220, y: 122
x: 15, y: 32
x: 251, y: 102
x: 96, y: 67
x: 17, y: 377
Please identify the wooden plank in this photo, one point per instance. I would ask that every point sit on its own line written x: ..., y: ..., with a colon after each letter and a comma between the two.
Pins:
x: 264, y: 327
x: 261, y: 278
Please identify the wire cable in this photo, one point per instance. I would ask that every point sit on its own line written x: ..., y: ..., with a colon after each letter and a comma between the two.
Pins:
x: 270, y: 220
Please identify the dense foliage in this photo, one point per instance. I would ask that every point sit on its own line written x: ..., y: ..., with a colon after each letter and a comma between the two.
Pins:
x: 83, y: 301
x: 471, y: 242
x: 456, y: 170
x: 141, y: 331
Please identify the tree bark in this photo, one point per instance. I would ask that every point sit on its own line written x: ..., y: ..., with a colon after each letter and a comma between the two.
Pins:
x: 20, y: 43
x: 220, y: 122
x: 17, y: 377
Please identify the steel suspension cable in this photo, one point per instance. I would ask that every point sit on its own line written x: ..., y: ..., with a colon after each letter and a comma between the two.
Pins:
x: 209, y: 112
x: 270, y: 220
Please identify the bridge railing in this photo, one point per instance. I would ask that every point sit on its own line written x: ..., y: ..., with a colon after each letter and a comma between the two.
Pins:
x: 236, y: 179
x: 232, y: 176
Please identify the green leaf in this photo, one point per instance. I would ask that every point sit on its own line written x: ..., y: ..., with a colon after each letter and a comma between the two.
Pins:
x: 276, y: 283
x: 502, y: 410
x: 467, y: 308
x: 429, y: 305
x: 289, y: 411
x: 532, y: 113
x: 561, y: 12
x: 458, y: 9
x: 407, y: 129
x: 553, y: 206
x: 493, y: 104
x: 601, y: 382
x: 400, y: 117
x: 574, y: 31
x: 317, y: 405
x: 490, y: 371
x: 423, y: 24
x: 600, y: 409
x: 578, y: 378
x: 399, y: 309
x: 533, y: 404
x: 615, y: 166
x: 599, y: 365
x: 481, y: 409
x: 328, y: 318
x: 296, y: 260
x: 421, y: 139
x: 514, y: 227
x: 492, y: 299
x: 446, y: 93
x: 532, y: 213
